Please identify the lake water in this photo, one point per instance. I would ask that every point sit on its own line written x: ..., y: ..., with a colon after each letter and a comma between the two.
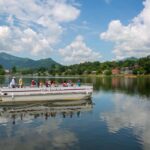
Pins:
x: 116, y: 118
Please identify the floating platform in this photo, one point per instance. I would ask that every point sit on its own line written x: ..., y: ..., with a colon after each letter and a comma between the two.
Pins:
x: 28, y: 94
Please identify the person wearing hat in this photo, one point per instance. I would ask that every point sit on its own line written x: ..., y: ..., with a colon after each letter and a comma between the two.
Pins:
x: 33, y: 83
x: 13, y: 83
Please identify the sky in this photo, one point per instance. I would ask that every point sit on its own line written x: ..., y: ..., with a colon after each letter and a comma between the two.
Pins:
x: 75, y: 31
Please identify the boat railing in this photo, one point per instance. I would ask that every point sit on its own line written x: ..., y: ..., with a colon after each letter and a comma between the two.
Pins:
x: 61, y: 88
x: 43, y: 88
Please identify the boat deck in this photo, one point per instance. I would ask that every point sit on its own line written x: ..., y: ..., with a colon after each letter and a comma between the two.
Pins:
x: 45, y: 93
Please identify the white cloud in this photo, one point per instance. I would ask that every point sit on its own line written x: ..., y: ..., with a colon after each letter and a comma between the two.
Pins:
x: 78, y: 52
x: 62, y: 12
x: 12, y: 38
x: 4, y: 32
x: 130, y: 112
x: 48, y: 134
x: 133, y: 39
x: 31, y: 10
x: 34, y: 26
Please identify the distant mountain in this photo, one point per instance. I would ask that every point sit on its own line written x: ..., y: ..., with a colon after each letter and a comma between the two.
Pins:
x: 130, y: 58
x: 8, y: 61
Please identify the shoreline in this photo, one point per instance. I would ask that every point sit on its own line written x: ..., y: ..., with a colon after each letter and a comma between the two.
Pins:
x: 80, y: 76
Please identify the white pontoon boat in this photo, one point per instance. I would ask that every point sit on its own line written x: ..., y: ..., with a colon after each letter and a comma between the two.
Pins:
x: 28, y: 94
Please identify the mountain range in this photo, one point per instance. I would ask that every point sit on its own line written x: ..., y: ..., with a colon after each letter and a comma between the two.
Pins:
x: 8, y: 61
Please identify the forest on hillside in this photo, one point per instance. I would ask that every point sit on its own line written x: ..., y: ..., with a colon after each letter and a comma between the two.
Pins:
x: 138, y: 66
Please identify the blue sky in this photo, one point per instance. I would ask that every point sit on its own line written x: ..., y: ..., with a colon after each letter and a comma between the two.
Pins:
x: 74, y: 31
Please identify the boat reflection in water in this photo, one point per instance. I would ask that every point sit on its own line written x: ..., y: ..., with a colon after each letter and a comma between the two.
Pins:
x: 12, y: 112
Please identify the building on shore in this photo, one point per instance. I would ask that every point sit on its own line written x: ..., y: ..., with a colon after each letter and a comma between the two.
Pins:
x: 7, y: 71
x: 115, y: 71
x: 126, y: 70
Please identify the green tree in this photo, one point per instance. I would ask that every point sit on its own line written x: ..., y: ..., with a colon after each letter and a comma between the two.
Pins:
x: 42, y: 69
x: 107, y: 72
x: 14, y: 69
x: 2, y: 71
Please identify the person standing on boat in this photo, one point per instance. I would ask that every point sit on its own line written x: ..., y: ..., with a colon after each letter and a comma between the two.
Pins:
x: 20, y: 83
x: 33, y: 83
x: 46, y: 83
x: 41, y: 84
x: 78, y: 83
x: 49, y: 83
x: 64, y: 84
x: 13, y: 83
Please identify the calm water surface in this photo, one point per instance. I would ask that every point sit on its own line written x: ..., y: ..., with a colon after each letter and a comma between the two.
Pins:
x: 116, y: 118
